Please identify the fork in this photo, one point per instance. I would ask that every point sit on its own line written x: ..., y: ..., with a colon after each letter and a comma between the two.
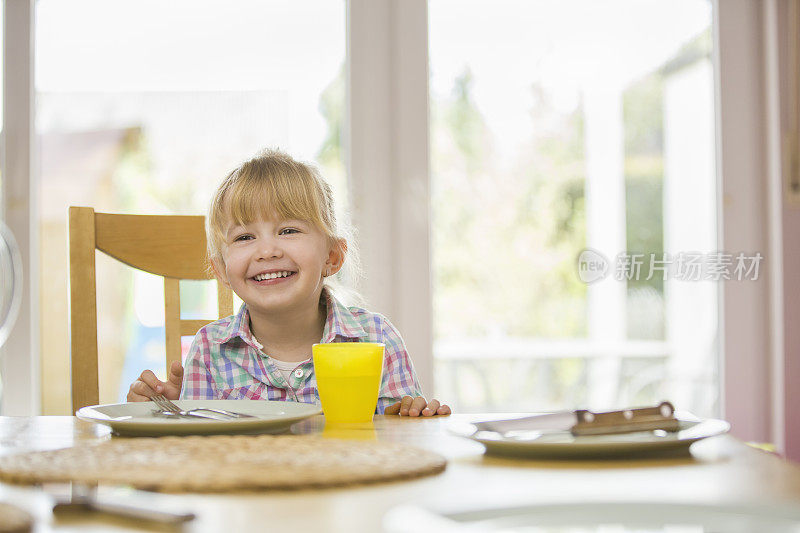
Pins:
x: 166, y: 405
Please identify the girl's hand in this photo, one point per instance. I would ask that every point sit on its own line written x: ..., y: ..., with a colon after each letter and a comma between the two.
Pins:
x: 149, y: 385
x: 410, y: 406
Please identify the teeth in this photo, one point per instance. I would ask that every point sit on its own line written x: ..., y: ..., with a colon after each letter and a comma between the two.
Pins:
x: 272, y: 275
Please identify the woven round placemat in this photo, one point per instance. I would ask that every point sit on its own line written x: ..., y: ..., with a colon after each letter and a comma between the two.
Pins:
x: 14, y: 520
x: 224, y: 463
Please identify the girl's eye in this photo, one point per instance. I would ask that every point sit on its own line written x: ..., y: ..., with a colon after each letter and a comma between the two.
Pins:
x: 243, y: 238
x: 288, y: 231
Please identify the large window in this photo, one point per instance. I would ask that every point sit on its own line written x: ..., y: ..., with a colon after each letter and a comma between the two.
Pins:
x: 559, y: 128
x: 146, y: 113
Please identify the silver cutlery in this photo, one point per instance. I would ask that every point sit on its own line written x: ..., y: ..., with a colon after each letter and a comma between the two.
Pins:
x: 167, y: 406
x: 184, y: 414
x: 85, y: 499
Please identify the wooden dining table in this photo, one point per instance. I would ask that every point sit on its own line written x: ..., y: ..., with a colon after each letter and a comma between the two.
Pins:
x: 719, y: 470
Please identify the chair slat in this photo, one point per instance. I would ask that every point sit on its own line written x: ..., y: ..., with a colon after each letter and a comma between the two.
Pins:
x: 224, y: 300
x: 172, y: 319
x: 191, y: 327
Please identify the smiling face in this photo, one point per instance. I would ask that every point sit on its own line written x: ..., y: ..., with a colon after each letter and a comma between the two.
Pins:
x: 277, y: 265
x: 272, y: 235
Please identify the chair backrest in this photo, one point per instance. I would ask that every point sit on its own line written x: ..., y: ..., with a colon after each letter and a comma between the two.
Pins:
x: 173, y: 247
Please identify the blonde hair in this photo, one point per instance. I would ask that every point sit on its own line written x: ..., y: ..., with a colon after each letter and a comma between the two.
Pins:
x: 273, y: 183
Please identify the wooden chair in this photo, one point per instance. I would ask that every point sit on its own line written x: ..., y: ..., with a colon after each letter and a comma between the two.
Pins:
x: 170, y: 246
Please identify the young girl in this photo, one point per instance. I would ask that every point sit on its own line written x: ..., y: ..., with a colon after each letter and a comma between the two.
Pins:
x: 274, y: 240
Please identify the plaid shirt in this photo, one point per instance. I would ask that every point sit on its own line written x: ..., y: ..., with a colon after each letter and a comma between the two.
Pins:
x: 226, y: 361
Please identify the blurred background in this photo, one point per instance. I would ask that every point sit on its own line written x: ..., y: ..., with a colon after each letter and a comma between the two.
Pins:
x: 554, y: 126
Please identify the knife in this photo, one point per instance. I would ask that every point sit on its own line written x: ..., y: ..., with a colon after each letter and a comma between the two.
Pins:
x: 585, y: 422
x: 84, y: 499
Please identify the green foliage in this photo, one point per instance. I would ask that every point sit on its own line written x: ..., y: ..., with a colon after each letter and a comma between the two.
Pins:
x: 467, y: 126
x: 329, y: 156
x: 332, y: 108
x: 505, y: 239
x: 644, y: 192
x: 643, y: 112
x: 136, y: 188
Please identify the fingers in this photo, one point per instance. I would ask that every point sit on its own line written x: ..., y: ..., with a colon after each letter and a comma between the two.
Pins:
x: 139, y: 392
x: 134, y: 397
x: 430, y: 410
x: 175, y: 373
x: 405, y: 405
x: 393, y: 409
x: 172, y: 387
x: 172, y: 392
x: 147, y: 385
x: 411, y: 406
x: 150, y: 379
x: 417, y: 406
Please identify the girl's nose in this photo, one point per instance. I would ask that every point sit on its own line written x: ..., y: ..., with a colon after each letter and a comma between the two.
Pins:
x: 269, y: 248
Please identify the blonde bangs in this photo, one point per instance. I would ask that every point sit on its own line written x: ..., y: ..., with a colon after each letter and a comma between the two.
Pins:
x: 252, y: 200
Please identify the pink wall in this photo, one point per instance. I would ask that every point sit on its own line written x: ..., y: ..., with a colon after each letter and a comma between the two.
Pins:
x: 791, y: 328
x: 790, y: 230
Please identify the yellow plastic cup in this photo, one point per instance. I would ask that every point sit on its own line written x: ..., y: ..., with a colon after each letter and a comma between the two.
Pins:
x: 348, y: 379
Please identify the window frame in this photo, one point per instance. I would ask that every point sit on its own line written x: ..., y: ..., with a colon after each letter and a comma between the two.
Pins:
x: 19, y: 357
x: 388, y: 161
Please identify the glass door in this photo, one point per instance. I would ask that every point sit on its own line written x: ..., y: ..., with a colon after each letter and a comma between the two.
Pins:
x: 150, y: 121
x: 574, y: 204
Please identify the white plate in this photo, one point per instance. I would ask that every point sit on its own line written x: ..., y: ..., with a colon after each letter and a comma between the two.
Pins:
x: 138, y: 419
x: 563, y: 444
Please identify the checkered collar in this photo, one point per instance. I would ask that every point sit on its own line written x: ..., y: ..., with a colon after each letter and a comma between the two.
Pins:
x: 340, y: 324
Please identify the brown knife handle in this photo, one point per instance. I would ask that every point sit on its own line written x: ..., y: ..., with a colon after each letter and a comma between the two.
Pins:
x: 125, y: 510
x: 626, y: 420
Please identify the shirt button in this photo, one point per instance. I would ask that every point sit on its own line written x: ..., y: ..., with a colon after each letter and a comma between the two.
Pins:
x: 298, y: 373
